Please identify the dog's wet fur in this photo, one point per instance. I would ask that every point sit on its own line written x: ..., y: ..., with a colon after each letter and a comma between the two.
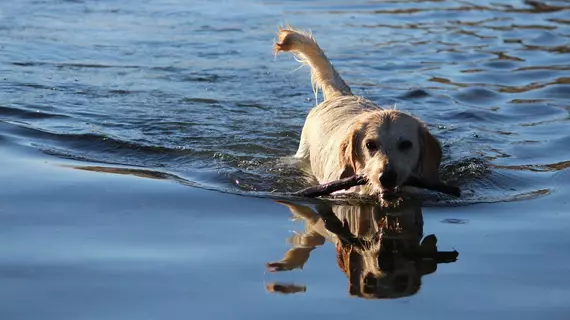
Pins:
x: 346, y: 134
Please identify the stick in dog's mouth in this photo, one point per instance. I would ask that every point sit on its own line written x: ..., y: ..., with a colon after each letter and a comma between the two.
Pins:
x: 347, y: 183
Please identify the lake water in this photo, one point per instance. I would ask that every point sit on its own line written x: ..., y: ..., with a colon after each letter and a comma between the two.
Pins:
x: 142, y: 146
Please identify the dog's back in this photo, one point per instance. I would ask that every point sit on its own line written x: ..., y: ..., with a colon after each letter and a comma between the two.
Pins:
x: 325, y: 128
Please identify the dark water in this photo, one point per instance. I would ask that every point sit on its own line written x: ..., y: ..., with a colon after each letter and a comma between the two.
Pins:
x: 192, y: 88
x: 189, y: 91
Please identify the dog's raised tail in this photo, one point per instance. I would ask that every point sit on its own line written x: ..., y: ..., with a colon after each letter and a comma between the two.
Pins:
x: 307, y: 51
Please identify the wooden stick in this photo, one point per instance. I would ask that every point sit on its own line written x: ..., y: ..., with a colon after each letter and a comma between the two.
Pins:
x: 328, y: 188
x: 440, y: 187
x: 347, y: 183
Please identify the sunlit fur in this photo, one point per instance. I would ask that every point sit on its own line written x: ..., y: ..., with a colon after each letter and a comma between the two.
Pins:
x: 336, y: 130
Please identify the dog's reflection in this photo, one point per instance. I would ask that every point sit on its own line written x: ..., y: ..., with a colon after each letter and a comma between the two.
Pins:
x: 380, y: 248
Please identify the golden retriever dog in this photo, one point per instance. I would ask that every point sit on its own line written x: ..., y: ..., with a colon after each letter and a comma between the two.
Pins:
x: 346, y: 134
x: 379, y: 249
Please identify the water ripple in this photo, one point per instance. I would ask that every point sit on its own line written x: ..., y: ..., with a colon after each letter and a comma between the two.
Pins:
x: 195, y: 95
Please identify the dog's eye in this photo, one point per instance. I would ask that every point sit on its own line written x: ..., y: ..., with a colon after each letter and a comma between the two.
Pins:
x: 405, y: 145
x: 371, y: 145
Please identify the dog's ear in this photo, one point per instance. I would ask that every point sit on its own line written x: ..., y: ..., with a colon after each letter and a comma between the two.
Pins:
x: 342, y: 257
x: 349, y: 154
x: 350, y: 262
x: 430, y: 157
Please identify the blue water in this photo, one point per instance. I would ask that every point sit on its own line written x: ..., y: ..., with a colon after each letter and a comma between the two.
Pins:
x: 189, y: 93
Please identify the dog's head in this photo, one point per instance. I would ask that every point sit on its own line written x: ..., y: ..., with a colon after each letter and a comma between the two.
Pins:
x: 387, y: 147
x: 370, y: 281
x: 382, y: 265
x: 382, y: 271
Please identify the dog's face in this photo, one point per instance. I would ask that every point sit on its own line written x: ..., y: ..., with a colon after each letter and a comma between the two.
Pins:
x: 387, y: 147
x: 374, y: 274
x: 382, y: 269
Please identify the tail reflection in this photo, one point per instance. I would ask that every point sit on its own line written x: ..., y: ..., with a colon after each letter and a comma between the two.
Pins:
x: 284, y: 288
x: 380, y: 249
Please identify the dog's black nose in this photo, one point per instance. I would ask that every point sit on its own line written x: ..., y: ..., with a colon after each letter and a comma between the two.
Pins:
x: 388, y: 179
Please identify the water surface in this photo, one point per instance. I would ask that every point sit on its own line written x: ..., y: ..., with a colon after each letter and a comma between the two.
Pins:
x: 188, y: 93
